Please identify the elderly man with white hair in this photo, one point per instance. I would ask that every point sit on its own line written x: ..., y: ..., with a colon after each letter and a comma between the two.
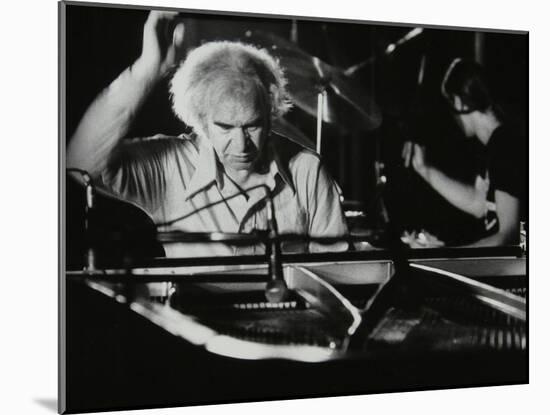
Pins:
x: 213, y: 179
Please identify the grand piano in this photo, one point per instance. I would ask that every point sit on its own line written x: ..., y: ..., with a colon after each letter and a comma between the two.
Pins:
x: 152, y: 331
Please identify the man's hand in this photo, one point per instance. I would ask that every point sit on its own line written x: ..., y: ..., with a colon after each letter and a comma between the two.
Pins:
x: 422, y: 239
x: 162, y: 44
x: 415, y: 155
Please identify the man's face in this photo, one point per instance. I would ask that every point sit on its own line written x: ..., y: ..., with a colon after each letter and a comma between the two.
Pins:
x: 463, y: 119
x: 238, y: 129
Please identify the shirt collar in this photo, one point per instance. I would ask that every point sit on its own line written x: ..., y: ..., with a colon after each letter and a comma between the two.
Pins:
x: 208, y: 169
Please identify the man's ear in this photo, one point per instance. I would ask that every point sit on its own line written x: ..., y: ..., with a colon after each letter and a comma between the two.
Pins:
x: 459, y: 105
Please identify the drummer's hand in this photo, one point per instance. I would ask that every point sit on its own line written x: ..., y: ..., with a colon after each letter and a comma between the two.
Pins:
x: 415, y: 155
x: 162, y: 44
x: 422, y: 239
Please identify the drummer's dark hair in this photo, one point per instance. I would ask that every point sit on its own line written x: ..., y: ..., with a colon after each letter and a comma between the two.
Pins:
x: 215, y: 69
x: 467, y: 80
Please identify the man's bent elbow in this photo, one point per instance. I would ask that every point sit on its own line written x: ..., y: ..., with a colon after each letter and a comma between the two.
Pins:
x: 478, y: 209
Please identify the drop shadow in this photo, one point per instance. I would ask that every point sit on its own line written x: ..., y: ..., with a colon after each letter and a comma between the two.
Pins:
x: 48, y: 403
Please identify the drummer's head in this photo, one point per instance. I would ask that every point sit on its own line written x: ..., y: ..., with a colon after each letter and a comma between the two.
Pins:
x: 466, y: 90
x: 230, y: 92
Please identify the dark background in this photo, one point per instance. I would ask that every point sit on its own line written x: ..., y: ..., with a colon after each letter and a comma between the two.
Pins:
x: 103, y: 41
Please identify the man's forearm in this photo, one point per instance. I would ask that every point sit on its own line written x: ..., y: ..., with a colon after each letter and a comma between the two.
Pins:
x: 108, y: 120
x: 465, y: 197
x: 498, y: 239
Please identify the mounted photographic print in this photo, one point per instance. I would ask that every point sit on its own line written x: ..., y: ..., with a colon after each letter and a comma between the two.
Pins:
x: 260, y: 207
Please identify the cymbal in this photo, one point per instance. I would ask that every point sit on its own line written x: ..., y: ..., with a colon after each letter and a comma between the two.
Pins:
x: 347, y: 104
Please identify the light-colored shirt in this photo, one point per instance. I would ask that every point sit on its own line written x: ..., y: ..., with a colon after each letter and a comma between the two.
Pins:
x: 181, y: 184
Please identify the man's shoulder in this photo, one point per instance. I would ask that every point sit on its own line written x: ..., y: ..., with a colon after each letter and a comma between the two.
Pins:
x: 296, y: 156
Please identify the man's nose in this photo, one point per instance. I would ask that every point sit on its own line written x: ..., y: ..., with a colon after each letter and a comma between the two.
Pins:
x: 241, y: 139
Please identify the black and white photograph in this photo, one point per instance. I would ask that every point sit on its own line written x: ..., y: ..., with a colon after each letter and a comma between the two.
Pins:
x: 260, y: 207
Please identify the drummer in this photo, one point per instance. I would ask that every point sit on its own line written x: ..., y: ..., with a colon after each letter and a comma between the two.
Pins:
x: 498, y: 193
x: 213, y: 179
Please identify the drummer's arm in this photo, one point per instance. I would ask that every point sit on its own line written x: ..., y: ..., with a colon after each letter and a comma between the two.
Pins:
x: 468, y: 198
x: 508, y: 213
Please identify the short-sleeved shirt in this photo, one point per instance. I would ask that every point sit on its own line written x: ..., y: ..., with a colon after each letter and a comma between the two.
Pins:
x: 180, y: 182
x: 505, y: 170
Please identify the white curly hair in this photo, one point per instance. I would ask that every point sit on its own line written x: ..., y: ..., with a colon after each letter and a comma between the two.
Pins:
x: 217, y: 69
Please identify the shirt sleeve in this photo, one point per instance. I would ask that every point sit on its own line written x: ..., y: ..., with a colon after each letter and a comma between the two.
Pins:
x: 133, y: 169
x: 326, y: 218
x: 107, y: 121
x: 140, y: 169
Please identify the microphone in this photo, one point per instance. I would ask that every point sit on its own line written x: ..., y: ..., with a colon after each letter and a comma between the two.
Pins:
x: 276, y: 289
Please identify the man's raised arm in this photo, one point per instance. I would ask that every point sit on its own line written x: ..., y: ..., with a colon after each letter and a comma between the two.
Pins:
x: 108, y: 119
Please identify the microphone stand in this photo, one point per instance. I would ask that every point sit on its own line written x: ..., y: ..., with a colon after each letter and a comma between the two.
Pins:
x: 276, y: 289
x: 90, y: 264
